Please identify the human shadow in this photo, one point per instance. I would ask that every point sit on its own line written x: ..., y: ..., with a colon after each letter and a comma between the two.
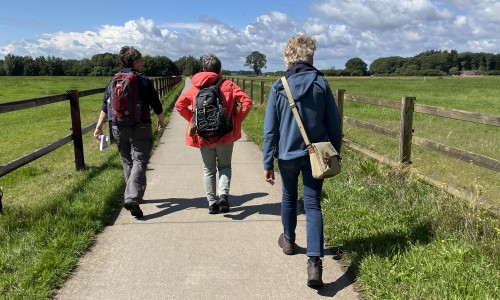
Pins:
x: 385, y: 245
x: 263, y: 209
x: 172, y: 205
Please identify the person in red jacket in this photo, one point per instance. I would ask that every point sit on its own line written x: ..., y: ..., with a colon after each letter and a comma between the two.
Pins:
x: 216, y: 152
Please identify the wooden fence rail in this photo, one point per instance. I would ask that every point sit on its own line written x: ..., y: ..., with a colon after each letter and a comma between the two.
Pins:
x: 480, y: 118
x: 163, y: 85
x: 406, y: 138
x: 405, y: 135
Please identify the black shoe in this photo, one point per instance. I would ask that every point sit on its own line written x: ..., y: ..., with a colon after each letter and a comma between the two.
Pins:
x: 133, y: 207
x: 286, y: 245
x: 314, y: 274
x: 213, y: 209
x: 224, y: 204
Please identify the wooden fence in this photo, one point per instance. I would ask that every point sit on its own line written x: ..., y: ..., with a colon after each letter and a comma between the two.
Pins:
x: 405, y: 135
x: 406, y: 139
x: 162, y: 84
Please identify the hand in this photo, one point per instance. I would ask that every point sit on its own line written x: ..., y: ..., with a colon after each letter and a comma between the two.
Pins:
x: 269, y: 176
x: 161, y: 123
x: 160, y: 126
x: 97, y: 133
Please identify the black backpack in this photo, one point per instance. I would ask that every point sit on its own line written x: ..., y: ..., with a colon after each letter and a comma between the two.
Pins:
x: 210, y: 115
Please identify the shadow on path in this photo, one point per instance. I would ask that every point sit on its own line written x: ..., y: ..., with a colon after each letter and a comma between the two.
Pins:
x: 172, y: 205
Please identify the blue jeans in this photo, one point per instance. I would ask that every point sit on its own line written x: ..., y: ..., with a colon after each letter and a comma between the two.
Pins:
x: 216, y: 158
x: 290, y: 171
x: 134, y: 144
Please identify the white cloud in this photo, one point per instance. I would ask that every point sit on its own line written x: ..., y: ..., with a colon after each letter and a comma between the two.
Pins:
x: 381, y: 14
x: 343, y: 29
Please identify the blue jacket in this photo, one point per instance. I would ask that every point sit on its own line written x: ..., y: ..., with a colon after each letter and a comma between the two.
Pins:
x: 317, y: 109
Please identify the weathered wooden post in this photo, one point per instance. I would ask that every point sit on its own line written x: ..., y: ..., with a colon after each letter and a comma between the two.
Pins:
x: 244, y: 87
x: 261, y: 92
x: 339, y: 99
x: 76, y: 128
x: 251, y: 89
x: 406, y: 130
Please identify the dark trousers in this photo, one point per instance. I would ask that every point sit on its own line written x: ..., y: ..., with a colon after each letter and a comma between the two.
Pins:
x: 134, y: 144
x: 290, y: 171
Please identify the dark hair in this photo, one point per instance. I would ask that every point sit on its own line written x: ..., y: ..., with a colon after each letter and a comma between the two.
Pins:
x: 211, y: 63
x: 128, y: 55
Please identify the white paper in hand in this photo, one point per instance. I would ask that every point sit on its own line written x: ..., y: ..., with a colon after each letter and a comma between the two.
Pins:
x: 104, y: 142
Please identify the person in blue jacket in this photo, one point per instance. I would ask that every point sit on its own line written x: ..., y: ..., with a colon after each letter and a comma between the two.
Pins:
x: 283, y: 140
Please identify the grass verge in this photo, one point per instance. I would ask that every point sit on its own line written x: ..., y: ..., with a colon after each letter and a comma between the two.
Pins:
x: 52, y: 214
x: 402, y: 238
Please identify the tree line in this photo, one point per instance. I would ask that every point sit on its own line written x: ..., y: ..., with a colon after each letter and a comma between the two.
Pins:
x: 428, y: 63
x: 99, y: 65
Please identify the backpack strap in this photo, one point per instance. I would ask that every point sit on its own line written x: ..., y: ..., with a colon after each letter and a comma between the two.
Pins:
x: 219, y: 82
x: 216, y: 84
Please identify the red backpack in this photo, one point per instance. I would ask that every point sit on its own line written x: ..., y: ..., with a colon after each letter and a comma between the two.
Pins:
x: 124, y: 103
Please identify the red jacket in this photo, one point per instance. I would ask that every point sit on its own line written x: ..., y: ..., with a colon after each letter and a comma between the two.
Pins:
x: 231, y: 95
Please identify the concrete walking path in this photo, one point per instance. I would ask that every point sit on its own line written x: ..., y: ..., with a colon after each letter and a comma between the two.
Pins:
x: 179, y: 251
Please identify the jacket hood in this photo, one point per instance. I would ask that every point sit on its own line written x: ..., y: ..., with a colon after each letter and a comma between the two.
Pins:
x: 300, y: 76
x: 300, y: 83
x: 204, y: 79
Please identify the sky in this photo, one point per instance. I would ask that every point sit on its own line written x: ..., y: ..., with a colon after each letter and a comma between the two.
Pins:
x: 343, y: 29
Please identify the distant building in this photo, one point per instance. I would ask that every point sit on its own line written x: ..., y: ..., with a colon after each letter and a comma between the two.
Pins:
x: 469, y: 73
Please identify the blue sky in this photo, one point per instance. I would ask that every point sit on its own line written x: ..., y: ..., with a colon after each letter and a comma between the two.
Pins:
x: 233, y: 29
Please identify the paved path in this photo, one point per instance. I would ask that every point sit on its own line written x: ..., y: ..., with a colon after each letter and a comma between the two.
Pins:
x: 179, y: 251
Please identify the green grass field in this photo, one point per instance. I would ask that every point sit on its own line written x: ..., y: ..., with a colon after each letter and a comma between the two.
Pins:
x: 52, y: 213
x: 475, y: 94
x: 402, y: 238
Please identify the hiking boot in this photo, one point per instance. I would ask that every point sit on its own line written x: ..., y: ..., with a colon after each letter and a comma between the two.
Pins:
x: 314, y: 274
x: 133, y: 207
x: 224, y: 204
x: 213, y: 209
x: 286, y: 245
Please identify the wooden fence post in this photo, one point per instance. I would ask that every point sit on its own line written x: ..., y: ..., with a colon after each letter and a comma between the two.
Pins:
x: 339, y: 99
x: 406, y: 130
x: 156, y: 85
x: 244, y: 87
x: 251, y: 89
x: 76, y: 127
x: 261, y: 92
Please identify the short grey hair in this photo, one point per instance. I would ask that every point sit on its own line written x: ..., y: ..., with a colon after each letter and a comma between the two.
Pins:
x: 299, y: 48
x: 211, y: 63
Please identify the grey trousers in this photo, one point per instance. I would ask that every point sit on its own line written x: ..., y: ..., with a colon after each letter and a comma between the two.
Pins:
x: 134, y: 144
x: 216, y: 158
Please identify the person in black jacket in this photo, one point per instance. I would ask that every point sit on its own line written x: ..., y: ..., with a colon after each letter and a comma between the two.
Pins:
x: 134, y: 141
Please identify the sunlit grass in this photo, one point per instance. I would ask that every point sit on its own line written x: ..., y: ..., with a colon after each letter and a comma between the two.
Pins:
x: 402, y: 238
x: 52, y: 212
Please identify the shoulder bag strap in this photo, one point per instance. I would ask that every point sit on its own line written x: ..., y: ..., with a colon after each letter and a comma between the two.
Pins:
x: 295, y: 112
